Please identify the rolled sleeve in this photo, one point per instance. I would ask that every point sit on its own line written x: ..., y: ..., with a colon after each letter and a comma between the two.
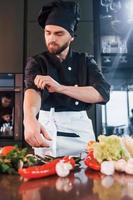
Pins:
x: 97, y: 80
x: 31, y: 70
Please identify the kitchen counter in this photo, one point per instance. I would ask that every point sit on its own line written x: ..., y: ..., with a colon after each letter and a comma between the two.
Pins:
x: 83, y: 184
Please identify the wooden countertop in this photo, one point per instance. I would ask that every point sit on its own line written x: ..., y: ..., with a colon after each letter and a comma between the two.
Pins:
x: 82, y: 185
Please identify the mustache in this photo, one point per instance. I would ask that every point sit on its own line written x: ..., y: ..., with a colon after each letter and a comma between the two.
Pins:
x: 52, y: 43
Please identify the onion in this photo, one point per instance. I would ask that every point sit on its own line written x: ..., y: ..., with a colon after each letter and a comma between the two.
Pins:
x: 107, y: 167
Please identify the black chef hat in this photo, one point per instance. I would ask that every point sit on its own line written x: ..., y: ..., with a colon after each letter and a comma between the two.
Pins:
x: 60, y: 13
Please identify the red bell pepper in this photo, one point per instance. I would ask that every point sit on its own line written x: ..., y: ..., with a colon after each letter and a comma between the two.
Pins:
x: 91, y: 162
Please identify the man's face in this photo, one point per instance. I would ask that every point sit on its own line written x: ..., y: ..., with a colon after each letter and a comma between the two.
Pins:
x: 6, y: 118
x: 57, y: 39
x: 5, y: 102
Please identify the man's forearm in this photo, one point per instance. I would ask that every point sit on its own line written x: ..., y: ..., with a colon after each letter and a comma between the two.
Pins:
x: 87, y: 94
x: 32, y: 103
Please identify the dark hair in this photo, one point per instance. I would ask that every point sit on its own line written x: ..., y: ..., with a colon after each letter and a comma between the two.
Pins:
x: 7, y: 95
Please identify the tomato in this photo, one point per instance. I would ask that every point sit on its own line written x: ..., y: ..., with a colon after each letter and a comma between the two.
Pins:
x: 6, y: 150
x: 91, y: 162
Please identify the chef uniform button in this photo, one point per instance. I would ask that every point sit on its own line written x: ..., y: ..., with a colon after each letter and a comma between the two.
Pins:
x: 69, y: 68
x: 76, y: 103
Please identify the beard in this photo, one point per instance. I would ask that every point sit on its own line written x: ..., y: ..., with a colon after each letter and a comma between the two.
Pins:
x: 55, y: 49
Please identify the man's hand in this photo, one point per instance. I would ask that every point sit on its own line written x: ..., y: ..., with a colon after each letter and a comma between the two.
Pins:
x: 33, y: 133
x: 48, y: 82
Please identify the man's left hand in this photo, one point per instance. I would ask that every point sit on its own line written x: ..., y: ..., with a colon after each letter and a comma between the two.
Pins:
x: 47, y: 82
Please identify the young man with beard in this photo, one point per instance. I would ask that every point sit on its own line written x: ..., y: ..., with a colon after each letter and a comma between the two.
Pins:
x: 61, y: 84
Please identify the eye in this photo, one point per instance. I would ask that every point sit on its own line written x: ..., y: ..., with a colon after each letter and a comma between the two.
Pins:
x: 60, y: 34
x: 47, y: 33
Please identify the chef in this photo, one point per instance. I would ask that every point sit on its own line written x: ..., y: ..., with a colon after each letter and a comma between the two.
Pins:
x: 61, y: 84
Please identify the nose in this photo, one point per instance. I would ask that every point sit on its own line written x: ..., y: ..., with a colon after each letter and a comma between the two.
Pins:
x: 52, y: 38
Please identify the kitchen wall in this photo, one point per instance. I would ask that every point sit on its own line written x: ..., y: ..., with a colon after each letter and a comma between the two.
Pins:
x: 11, y: 36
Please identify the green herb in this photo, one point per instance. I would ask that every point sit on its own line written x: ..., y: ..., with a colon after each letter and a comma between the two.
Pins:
x: 15, y: 159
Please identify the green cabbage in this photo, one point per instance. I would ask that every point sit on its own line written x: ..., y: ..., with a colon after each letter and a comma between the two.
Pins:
x: 110, y: 148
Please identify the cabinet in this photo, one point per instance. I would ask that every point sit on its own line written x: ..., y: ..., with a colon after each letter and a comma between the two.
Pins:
x: 11, y: 88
